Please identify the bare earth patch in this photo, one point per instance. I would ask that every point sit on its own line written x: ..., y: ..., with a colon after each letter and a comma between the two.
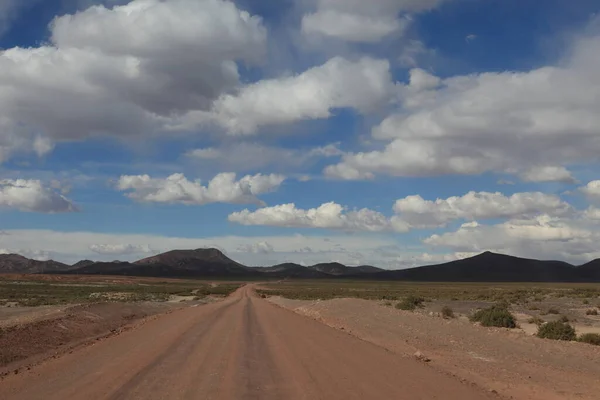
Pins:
x: 510, y: 362
x: 30, y: 334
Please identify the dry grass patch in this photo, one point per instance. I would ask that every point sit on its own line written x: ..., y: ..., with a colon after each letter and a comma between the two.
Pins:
x: 556, y: 330
x: 497, y: 315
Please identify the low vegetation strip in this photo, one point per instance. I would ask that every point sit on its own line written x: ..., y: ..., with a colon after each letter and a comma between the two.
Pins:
x: 29, y: 293
x: 410, y: 303
x: 590, y: 338
x: 81, y: 309
x: 512, y: 293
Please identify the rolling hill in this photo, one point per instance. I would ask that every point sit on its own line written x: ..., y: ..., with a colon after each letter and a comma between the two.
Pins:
x: 487, y: 267
x: 338, y: 269
x: 290, y: 271
x: 590, y: 271
x: 212, y: 263
x: 17, y: 264
x: 175, y: 263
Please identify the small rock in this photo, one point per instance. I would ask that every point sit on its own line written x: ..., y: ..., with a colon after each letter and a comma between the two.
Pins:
x: 421, y: 357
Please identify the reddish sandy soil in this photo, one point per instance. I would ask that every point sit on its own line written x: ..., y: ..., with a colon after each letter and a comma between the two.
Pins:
x: 511, y: 362
x: 241, y: 348
x: 70, y: 279
x: 29, y: 335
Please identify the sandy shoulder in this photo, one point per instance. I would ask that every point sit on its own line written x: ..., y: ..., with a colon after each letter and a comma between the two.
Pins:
x: 510, y: 362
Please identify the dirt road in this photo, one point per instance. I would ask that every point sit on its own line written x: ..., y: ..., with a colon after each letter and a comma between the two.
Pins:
x: 241, y: 348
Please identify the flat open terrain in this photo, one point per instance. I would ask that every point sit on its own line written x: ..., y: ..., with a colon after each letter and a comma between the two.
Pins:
x: 510, y: 361
x: 578, y: 302
x: 241, y: 348
x: 51, y: 314
x: 148, y: 338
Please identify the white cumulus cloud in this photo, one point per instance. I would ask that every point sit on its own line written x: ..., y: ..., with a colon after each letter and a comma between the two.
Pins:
x: 362, y: 21
x: 544, y: 236
x: 547, y: 174
x: 129, y: 70
x: 592, y: 190
x: 223, y: 188
x: 33, y: 196
x: 248, y: 156
x: 419, y: 212
x: 120, y: 249
x: 312, y: 94
x: 328, y: 215
x: 257, y: 248
x: 512, y: 122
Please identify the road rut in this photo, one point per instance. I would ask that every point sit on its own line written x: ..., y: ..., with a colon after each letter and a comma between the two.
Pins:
x: 241, y: 348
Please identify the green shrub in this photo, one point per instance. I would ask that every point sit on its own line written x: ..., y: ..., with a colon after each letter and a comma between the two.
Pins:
x: 410, y: 303
x: 497, y: 315
x: 447, y: 312
x: 591, y: 338
x: 536, y: 320
x: 563, y: 318
x: 556, y: 330
x: 586, y: 301
x: 553, y: 311
x: 591, y: 312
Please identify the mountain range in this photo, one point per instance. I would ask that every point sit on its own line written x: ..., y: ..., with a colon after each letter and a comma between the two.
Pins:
x: 212, y: 263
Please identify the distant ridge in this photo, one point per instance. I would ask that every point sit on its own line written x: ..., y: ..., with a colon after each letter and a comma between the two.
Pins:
x: 212, y: 263
x: 174, y: 263
x: 489, y: 267
x: 82, y: 263
x: 17, y: 264
x: 189, y: 257
x: 341, y: 269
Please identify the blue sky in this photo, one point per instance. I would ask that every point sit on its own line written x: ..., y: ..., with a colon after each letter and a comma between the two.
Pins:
x: 395, y: 133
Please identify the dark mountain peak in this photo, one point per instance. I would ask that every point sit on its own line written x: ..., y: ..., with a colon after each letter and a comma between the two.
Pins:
x: 331, y: 265
x: 177, y: 257
x: 210, y: 262
x: 17, y: 264
x: 592, y: 264
x: 211, y: 254
x: 489, y: 255
x: 590, y: 271
x: 488, y: 267
x: 280, y: 267
x: 291, y: 270
x: 82, y: 263
x: 334, y: 268
x: 12, y: 257
x: 367, y: 268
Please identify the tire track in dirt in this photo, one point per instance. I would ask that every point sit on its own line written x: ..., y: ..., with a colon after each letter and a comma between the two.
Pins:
x: 180, y: 352
x: 241, y: 348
